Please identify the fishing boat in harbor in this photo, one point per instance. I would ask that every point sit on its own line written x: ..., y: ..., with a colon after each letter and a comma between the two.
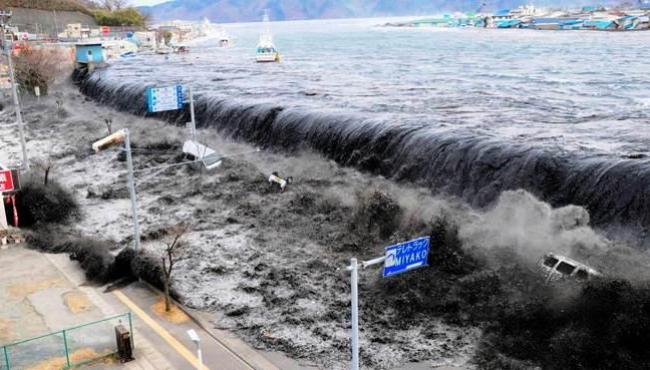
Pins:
x: 266, y: 51
x: 164, y: 50
x: 225, y: 41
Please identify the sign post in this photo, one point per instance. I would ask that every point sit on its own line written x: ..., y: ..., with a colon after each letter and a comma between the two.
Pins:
x: 193, y: 122
x: 6, y: 181
x: 3, y: 213
x: 160, y: 99
x: 6, y: 185
x: 354, y: 278
x: 399, y: 258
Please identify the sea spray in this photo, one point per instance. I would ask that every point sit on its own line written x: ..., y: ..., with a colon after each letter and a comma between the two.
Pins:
x: 531, y: 228
x: 478, y: 169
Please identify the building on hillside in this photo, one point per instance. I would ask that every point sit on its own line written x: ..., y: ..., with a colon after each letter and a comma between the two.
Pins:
x: 77, y: 31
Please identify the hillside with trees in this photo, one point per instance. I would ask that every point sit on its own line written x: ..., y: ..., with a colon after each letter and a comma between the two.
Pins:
x: 58, y: 5
x: 31, y: 15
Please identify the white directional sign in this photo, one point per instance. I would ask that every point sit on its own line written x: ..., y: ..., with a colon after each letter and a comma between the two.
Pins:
x: 161, y: 99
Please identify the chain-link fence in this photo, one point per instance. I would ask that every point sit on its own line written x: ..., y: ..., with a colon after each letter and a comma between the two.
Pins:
x: 66, y: 348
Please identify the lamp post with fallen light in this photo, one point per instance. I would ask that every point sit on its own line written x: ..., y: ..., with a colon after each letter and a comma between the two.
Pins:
x: 123, y: 136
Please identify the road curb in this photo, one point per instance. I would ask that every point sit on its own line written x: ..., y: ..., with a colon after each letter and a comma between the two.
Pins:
x: 232, y: 344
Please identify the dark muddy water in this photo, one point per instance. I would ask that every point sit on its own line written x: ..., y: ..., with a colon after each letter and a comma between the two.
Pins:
x: 565, y: 115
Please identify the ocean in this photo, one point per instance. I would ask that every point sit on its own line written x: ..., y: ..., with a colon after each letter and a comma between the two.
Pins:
x: 465, y: 112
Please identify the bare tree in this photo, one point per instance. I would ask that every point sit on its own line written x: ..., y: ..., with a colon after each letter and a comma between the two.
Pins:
x: 112, y: 5
x: 172, y: 250
x: 39, y: 68
x: 46, y: 165
x: 109, y: 124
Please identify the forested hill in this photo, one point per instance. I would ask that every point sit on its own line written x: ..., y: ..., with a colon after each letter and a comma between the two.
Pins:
x: 47, y: 16
x: 58, y: 5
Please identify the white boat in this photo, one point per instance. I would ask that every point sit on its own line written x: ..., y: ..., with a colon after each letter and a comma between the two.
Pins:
x: 225, y: 41
x: 164, y: 50
x: 266, y: 51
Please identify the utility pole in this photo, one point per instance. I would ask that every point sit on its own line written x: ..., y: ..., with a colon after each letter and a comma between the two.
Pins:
x: 134, y: 200
x: 19, y: 116
x: 56, y: 24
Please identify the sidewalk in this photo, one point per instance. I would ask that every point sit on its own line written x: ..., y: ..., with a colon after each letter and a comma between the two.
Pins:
x: 37, y: 298
x: 41, y: 293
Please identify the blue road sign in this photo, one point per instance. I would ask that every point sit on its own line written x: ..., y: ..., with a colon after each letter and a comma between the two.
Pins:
x: 165, y: 98
x: 406, y: 256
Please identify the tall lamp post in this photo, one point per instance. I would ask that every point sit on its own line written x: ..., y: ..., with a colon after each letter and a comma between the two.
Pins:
x: 124, y: 136
x: 19, y: 116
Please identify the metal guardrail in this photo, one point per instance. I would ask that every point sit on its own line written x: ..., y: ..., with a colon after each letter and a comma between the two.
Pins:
x: 66, y: 348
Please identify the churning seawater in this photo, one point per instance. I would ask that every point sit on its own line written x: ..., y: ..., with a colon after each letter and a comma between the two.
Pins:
x: 575, y: 90
x: 471, y: 112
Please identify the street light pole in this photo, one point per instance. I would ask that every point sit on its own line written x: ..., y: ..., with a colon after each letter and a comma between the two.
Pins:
x: 354, y: 335
x: 134, y: 200
x: 19, y: 115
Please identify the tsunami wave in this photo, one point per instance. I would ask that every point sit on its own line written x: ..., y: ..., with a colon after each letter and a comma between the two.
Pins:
x: 615, y: 191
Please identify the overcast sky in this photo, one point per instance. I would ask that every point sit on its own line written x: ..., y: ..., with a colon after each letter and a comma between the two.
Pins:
x: 146, y: 2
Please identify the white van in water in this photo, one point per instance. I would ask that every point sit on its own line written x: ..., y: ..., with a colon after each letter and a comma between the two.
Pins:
x: 559, y: 267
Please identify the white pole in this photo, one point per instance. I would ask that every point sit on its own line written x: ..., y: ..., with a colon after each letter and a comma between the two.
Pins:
x: 19, y: 116
x: 193, y: 127
x: 4, y: 224
x: 199, y: 354
x: 134, y: 200
x: 355, y: 313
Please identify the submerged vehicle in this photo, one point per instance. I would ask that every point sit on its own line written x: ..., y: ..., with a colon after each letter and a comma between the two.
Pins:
x: 266, y: 51
x: 559, y: 267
